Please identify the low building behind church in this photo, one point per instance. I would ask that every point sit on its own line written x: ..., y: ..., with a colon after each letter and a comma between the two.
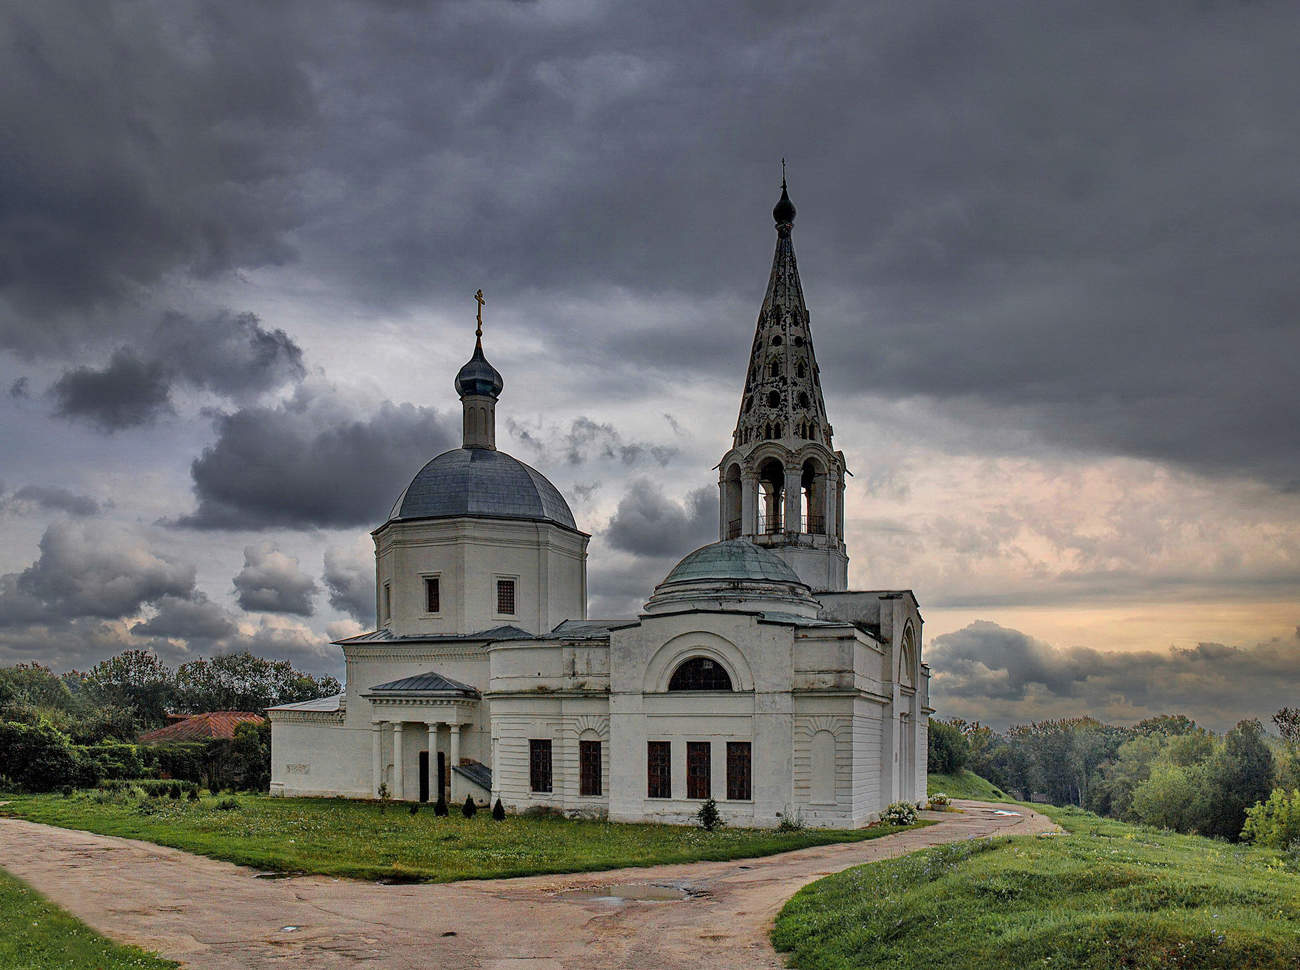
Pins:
x: 753, y: 675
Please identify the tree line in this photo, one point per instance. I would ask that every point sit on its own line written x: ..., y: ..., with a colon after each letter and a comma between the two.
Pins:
x: 78, y: 729
x: 1165, y: 771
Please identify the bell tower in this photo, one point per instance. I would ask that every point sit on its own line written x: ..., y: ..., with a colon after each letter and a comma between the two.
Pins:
x: 782, y: 483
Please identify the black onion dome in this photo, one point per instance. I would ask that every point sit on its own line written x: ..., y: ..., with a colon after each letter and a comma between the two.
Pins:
x: 478, y: 377
x: 482, y: 483
x: 783, y: 211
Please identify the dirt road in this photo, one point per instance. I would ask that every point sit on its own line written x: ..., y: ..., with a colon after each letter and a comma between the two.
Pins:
x: 210, y: 914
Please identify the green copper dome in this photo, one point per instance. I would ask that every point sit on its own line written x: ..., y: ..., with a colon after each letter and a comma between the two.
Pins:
x: 734, y: 559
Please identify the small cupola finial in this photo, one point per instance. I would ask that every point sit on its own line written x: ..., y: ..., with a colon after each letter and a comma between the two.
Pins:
x: 783, y: 211
x: 479, y: 385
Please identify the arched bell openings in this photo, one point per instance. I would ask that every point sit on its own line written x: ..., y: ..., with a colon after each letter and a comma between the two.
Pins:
x: 771, y: 485
x: 732, y: 502
x: 812, y: 482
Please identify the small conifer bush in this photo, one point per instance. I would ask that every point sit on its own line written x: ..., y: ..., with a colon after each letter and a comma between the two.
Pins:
x: 709, y: 816
x: 469, y: 809
x: 499, y: 811
x: 440, y: 807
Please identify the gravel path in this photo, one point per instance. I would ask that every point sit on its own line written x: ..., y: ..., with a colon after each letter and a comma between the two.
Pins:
x: 210, y: 914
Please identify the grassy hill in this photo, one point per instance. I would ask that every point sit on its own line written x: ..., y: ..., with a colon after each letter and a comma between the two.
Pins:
x: 966, y: 784
x: 1102, y: 896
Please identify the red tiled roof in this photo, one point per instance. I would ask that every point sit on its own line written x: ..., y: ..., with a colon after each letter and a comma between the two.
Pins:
x: 202, y: 727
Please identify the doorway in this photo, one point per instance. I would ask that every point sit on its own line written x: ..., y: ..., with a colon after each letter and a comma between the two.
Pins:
x: 424, y: 776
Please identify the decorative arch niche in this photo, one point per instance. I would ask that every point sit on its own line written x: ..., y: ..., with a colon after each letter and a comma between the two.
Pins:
x: 907, y: 657
x: 697, y: 644
x: 699, y: 673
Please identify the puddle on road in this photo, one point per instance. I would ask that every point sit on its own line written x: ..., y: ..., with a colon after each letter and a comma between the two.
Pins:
x: 645, y: 892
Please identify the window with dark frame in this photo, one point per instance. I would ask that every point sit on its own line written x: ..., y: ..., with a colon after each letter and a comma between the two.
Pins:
x: 700, y: 673
x: 659, y: 770
x: 739, y: 783
x: 588, y: 767
x: 698, y: 774
x: 539, y: 764
x: 506, y: 597
x: 388, y: 602
x: 432, y: 601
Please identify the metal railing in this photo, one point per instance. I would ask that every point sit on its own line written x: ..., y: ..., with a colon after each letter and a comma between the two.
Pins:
x: 733, y: 529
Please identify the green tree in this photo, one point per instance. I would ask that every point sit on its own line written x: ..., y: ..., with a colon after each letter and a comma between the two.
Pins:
x: 1239, y: 774
x: 1172, y: 797
x: 250, y: 756
x: 244, y: 682
x: 948, y: 748
x: 1275, y: 822
x: 137, y: 681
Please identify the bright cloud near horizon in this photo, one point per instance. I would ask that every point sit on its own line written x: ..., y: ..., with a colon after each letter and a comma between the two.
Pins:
x: 1049, y: 250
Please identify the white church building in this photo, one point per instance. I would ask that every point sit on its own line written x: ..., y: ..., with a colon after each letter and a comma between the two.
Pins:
x: 752, y: 675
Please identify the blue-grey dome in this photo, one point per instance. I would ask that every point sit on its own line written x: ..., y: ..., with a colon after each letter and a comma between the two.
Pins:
x: 478, y: 376
x: 734, y: 559
x: 481, y: 482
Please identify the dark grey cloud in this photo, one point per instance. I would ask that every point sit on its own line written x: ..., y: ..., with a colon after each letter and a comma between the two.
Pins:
x: 227, y: 353
x: 648, y: 523
x: 192, y: 618
x: 992, y: 673
x: 272, y: 582
x: 141, y: 143
x: 311, y: 461
x: 91, y: 569
x: 126, y: 393
x: 587, y: 440
x: 350, y: 581
x: 20, y: 389
x: 52, y: 498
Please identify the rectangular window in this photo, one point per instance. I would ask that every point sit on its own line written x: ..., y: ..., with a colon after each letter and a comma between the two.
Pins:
x: 589, y: 767
x: 432, y: 601
x: 506, y: 597
x: 539, y: 764
x: 739, y: 786
x: 659, y: 769
x: 697, y: 769
x: 388, y: 602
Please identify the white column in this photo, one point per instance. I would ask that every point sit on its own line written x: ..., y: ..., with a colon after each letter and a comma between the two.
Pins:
x: 453, y: 759
x: 376, y: 765
x: 397, y: 759
x: 432, y: 728
x: 793, y: 501
x: 830, y: 504
x: 748, y: 504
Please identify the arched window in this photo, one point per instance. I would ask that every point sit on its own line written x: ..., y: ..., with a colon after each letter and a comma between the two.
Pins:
x: 776, y: 430
x: 776, y: 341
x: 803, y: 399
x: 773, y: 399
x: 800, y: 370
x: 700, y: 673
x: 774, y: 369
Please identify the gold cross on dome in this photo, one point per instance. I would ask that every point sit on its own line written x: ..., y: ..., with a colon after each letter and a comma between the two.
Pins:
x: 478, y: 332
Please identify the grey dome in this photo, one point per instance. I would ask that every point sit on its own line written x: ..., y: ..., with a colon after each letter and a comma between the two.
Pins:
x: 734, y: 559
x: 481, y: 482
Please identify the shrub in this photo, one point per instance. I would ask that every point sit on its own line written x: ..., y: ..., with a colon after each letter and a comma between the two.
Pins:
x: 791, y: 822
x: 38, y: 757
x: 708, y: 816
x: 900, y: 813
x: 384, y: 797
x: 228, y: 805
x: 193, y: 796
x: 415, y: 808
x: 469, y: 809
x: 112, y: 759
x: 440, y: 807
x: 499, y: 811
x: 939, y: 800
x: 948, y: 749
x: 174, y: 791
x: 1275, y: 822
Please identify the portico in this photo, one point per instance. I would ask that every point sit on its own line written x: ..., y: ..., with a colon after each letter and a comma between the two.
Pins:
x: 422, y: 717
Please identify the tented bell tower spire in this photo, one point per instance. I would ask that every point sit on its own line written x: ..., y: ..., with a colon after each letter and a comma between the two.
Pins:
x: 782, y: 482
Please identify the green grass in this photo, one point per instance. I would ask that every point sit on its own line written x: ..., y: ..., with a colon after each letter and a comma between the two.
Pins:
x: 37, y: 935
x: 353, y: 838
x: 1105, y: 895
x: 966, y: 784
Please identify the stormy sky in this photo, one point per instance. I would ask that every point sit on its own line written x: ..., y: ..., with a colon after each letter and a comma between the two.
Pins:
x: 1049, y: 250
